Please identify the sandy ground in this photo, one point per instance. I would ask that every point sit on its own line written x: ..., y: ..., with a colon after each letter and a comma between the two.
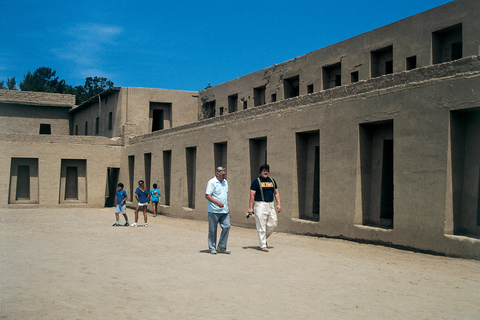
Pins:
x: 72, y: 264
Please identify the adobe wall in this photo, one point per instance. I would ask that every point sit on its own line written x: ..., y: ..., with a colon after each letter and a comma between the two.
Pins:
x: 416, y: 105
x: 352, y: 59
x: 46, y: 157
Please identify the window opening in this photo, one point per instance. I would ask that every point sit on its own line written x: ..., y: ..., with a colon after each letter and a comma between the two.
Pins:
x: 291, y: 87
x: 221, y: 111
x: 354, y: 77
x: 332, y: 76
x: 273, y: 97
x: 411, y: 62
x: 220, y: 154
x: 45, y: 128
x: 232, y: 103
x: 208, y: 109
x: 259, y: 96
x: 447, y: 44
x: 381, y: 61
x: 244, y: 105
x: 310, y: 88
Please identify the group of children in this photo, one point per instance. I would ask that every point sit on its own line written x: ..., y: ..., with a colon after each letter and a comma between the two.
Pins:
x: 143, y: 197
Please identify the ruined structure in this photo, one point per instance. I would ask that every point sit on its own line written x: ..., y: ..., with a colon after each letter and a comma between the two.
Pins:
x: 375, y: 138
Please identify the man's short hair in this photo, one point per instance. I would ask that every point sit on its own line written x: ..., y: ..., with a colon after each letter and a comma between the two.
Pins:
x: 141, y: 182
x: 120, y: 185
x: 220, y: 169
x: 264, y: 167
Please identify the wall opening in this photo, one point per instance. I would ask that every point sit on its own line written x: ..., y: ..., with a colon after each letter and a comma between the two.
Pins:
x: 258, y: 155
x: 45, y: 128
x: 354, y: 77
x: 465, y: 168
x: 411, y: 63
x: 308, y: 175
x: 259, y: 96
x: 160, y: 116
x: 381, y: 61
x: 110, y: 121
x: 97, y: 126
x: 24, y: 181
x: 86, y: 128
x: 232, y: 103
x: 244, y: 105
x: 221, y: 111
x: 332, y: 76
x: 111, y: 186
x: 447, y: 44
x: 273, y: 97
x: 131, y: 176
x: 220, y: 154
x: 377, y: 172
x: 73, y: 181
x: 291, y: 87
x: 147, y: 161
x: 310, y: 88
x: 208, y: 109
x: 167, y: 175
x: 191, y: 162
x: 76, y: 129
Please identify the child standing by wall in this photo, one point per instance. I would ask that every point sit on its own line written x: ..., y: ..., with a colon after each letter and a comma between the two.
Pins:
x: 121, y: 204
x: 155, y: 196
x: 143, y: 197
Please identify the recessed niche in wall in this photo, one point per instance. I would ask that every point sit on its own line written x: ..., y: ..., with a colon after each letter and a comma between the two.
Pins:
x: 73, y: 181
x: 147, y: 161
x: 160, y: 116
x: 308, y: 175
x: 131, y: 177
x: 45, y: 128
x: 220, y: 154
x: 259, y: 96
x: 291, y: 87
x: 411, y: 62
x: 381, y: 61
x: 167, y: 175
x: 191, y: 164
x: 465, y: 168
x: 258, y: 155
x: 232, y: 103
x: 376, y: 168
x: 332, y: 75
x: 23, y: 181
x: 447, y: 44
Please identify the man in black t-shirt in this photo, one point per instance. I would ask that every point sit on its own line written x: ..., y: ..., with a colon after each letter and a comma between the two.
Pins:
x: 263, y: 193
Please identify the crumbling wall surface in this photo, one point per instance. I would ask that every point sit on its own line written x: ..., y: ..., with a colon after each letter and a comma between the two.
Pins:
x: 97, y: 153
x: 417, y: 107
x: 37, y: 98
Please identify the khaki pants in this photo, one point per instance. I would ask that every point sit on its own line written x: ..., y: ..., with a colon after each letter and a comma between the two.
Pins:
x: 265, y: 220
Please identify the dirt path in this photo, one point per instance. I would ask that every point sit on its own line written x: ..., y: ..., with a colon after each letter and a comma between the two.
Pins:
x: 72, y: 264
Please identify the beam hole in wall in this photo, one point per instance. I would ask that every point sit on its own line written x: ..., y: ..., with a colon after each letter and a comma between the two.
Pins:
x: 377, y: 172
x: 24, y: 182
x: 411, y: 63
x: 465, y: 168
x: 167, y: 175
x: 447, y: 44
x: 258, y: 155
x: 45, y: 128
x: 308, y: 175
x: 291, y: 87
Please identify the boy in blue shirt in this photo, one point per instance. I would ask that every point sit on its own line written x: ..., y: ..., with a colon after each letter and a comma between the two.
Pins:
x: 155, y: 197
x: 121, y: 204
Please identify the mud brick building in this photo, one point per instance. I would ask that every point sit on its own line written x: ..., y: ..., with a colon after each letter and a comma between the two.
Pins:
x: 375, y: 138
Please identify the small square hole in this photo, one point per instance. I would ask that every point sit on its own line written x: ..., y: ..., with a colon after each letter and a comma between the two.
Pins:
x: 411, y: 62
x: 354, y: 77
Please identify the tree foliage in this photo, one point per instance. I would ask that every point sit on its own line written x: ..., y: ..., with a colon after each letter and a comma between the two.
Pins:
x: 44, y: 79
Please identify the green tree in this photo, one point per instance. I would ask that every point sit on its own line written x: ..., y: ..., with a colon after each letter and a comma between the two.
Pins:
x: 44, y: 80
x: 1, y: 85
x: 92, y: 87
x: 11, y: 84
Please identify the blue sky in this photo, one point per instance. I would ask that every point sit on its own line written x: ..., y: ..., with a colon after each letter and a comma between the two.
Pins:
x: 183, y: 45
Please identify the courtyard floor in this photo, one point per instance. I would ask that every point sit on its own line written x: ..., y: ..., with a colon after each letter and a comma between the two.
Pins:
x: 72, y: 264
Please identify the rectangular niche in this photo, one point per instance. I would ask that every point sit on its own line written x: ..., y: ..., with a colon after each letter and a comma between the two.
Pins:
x: 465, y: 168
x: 259, y: 96
x: 447, y: 44
x: 232, y: 103
x: 191, y: 163
x: 332, y: 76
x: 23, y: 181
x: 308, y: 175
x: 258, y: 155
x: 220, y: 154
x: 160, y: 116
x: 291, y: 87
x: 147, y: 161
x: 131, y: 177
x: 377, y: 172
x: 73, y: 181
x: 381, y: 61
x: 167, y: 176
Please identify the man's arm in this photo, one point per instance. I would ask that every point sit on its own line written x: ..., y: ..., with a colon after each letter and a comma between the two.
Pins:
x: 277, y: 197
x: 210, y: 198
x: 250, y: 201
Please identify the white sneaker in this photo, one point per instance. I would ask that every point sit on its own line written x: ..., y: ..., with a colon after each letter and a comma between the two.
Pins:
x: 145, y: 225
x: 134, y: 224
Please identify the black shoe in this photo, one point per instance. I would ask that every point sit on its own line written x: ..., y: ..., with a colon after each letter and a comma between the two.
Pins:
x: 115, y: 225
x: 126, y: 224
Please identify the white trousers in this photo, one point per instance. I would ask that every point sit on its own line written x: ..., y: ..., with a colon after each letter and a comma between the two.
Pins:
x: 265, y: 220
